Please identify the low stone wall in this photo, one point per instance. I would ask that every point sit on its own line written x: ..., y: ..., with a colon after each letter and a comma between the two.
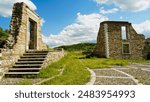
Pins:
x: 8, y: 58
x: 52, y: 57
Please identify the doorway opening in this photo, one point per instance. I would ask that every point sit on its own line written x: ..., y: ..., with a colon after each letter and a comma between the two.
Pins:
x: 32, y: 37
x: 148, y: 56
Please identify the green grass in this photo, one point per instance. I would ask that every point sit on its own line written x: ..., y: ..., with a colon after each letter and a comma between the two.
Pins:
x: 25, y: 82
x: 103, y: 63
x: 140, y: 61
x: 75, y: 73
x: 75, y: 69
x: 53, y: 69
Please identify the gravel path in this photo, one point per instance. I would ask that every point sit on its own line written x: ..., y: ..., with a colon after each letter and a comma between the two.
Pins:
x: 134, y: 74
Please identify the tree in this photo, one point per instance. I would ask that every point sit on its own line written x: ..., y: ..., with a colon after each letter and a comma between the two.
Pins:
x: 3, y: 36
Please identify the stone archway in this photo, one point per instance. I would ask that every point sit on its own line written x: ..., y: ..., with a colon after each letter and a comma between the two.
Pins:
x: 25, y: 27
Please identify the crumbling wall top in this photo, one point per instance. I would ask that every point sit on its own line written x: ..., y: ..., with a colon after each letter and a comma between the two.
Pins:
x: 25, y: 5
x: 121, y: 22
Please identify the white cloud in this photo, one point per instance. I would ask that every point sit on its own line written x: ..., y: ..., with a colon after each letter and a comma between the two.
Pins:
x: 84, y: 29
x: 121, y: 17
x: 42, y: 21
x: 128, y: 5
x: 109, y: 11
x: 6, y: 6
x: 143, y: 28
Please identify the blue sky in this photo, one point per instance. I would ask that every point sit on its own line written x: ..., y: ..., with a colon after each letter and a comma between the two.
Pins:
x: 60, y: 13
x: 74, y: 21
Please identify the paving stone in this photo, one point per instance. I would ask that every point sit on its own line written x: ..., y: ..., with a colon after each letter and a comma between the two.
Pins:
x: 108, y: 72
x: 140, y: 72
x: 113, y: 81
x: 142, y: 75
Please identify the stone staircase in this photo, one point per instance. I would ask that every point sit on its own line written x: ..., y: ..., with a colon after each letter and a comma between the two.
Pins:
x: 28, y: 65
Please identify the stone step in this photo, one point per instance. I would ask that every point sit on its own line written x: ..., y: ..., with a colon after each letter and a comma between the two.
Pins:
x: 26, y: 54
x: 24, y: 69
x: 37, y: 51
x: 27, y: 66
x: 34, y: 56
x: 31, y: 59
x: 29, y: 62
x: 21, y: 74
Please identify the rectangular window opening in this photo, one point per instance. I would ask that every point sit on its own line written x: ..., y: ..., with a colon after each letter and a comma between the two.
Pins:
x: 123, y: 32
x: 126, y: 48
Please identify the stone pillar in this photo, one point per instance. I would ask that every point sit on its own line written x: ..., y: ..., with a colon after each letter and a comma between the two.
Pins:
x: 106, y: 40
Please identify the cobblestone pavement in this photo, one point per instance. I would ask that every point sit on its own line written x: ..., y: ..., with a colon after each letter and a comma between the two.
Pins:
x: 133, y: 74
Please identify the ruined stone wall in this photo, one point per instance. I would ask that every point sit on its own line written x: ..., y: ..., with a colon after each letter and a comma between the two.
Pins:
x: 111, y: 41
x: 19, y: 27
x: 7, y: 60
x: 115, y: 40
x: 21, y: 14
x: 100, y: 48
x: 137, y: 44
x: 53, y: 56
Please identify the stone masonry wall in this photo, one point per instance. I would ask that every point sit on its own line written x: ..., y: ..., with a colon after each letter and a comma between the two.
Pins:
x: 52, y: 57
x: 19, y: 27
x: 100, y: 48
x: 7, y: 59
x: 115, y: 41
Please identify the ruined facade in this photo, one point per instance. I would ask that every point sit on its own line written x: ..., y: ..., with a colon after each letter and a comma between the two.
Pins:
x: 25, y: 29
x: 118, y: 39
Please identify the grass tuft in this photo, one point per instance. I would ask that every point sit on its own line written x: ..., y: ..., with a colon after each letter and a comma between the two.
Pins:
x: 25, y: 82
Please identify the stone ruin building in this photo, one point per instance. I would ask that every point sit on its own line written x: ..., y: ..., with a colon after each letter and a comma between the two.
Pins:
x: 118, y: 39
x: 25, y: 28
x: 25, y: 53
